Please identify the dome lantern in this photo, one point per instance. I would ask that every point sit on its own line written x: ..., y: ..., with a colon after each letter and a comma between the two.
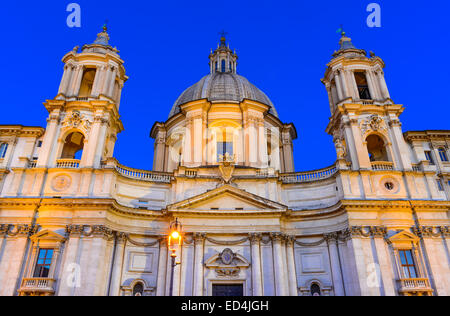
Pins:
x: 223, y: 59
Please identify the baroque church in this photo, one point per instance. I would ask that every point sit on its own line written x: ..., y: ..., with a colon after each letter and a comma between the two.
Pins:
x: 76, y: 222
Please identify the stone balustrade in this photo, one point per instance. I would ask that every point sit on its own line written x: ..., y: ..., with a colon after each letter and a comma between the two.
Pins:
x: 309, y: 176
x: 68, y: 163
x: 37, y: 286
x: 382, y: 166
x: 143, y: 175
x: 413, y: 286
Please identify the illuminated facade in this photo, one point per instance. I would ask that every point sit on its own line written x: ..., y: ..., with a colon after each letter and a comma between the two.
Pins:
x: 74, y: 221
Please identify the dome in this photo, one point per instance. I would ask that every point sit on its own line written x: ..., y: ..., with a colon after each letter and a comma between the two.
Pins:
x: 223, y: 86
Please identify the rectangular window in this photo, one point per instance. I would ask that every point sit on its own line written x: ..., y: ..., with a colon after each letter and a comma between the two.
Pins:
x: 443, y: 155
x: 43, y: 263
x: 223, y: 148
x: 236, y: 290
x: 408, y: 265
x: 3, y: 150
x: 429, y: 157
x: 440, y: 186
x: 39, y: 144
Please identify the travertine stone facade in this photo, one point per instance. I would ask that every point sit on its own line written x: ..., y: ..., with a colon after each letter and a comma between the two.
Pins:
x: 74, y: 221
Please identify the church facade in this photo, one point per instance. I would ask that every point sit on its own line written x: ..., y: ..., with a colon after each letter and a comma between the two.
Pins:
x: 75, y: 222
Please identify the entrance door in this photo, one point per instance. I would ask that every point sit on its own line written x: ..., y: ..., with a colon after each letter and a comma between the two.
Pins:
x: 228, y: 290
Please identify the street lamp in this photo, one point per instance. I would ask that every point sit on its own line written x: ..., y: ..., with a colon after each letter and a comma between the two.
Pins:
x: 175, y: 242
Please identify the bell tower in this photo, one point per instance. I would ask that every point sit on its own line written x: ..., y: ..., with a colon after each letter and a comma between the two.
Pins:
x: 364, y: 119
x: 84, y: 119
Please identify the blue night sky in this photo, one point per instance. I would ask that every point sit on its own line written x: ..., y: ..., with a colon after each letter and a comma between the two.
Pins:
x: 283, y: 48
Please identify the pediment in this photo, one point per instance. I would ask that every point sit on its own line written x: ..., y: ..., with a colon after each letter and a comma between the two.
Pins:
x: 227, y: 198
x: 47, y: 235
x: 404, y: 238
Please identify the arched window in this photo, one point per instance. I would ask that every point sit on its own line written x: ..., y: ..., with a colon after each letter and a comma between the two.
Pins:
x: 223, y: 65
x: 3, y: 150
x: 73, y: 146
x: 87, y: 83
x: 376, y: 148
x: 138, y: 289
x: 443, y: 154
x: 225, y: 142
x: 315, y: 290
x: 363, y: 86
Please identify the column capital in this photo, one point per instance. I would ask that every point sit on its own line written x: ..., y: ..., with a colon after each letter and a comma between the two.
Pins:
x: 199, y: 238
x: 255, y: 237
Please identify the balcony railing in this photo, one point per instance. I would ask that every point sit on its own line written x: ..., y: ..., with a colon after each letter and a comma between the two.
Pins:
x: 414, y: 286
x: 382, y: 166
x: 68, y: 163
x: 191, y: 173
x: 32, y: 164
x: 41, y: 286
x: 311, y: 176
x: 144, y: 175
x: 417, y: 168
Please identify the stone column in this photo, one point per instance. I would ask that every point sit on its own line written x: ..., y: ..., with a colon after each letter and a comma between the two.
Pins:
x: 13, y: 257
x: 288, y: 153
x: 372, y: 89
x: 160, y: 149
x: 256, y: 264
x: 332, y: 240
x: 198, y: 264
x: 116, y: 273
x: 69, y: 276
x: 77, y: 82
x: 112, y: 83
x: 65, y: 79
x: 186, y: 269
x: 187, y: 150
x: 292, y: 273
x: 162, y: 268
x: 384, y: 260
x: 253, y: 141
x: 97, y: 81
x: 343, y: 78
x: 280, y: 286
x: 338, y: 86
x: 100, y: 148
x: 50, y: 139
x: 383, y: 85
x: 197, y: 149
x: 263, y: 155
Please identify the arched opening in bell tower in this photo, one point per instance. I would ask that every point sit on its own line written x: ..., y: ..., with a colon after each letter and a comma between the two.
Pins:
x: 73, y: 146
x: 87, y: 83
x: 363, y: 86
x: 376, y: 148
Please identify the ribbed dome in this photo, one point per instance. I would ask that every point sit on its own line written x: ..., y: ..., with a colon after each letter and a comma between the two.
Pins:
x: 223, y: 86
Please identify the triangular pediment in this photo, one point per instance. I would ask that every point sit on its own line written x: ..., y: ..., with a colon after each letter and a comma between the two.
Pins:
x: 47, y: 235
x: 227, y: 198
x: 404, y: 238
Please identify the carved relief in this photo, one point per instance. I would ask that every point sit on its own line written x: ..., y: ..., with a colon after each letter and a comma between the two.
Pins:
x: 226, y: 167
x: 373, y: 124
x: 227, y: 264
x: 78, y: 121
x: 61, y: 183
